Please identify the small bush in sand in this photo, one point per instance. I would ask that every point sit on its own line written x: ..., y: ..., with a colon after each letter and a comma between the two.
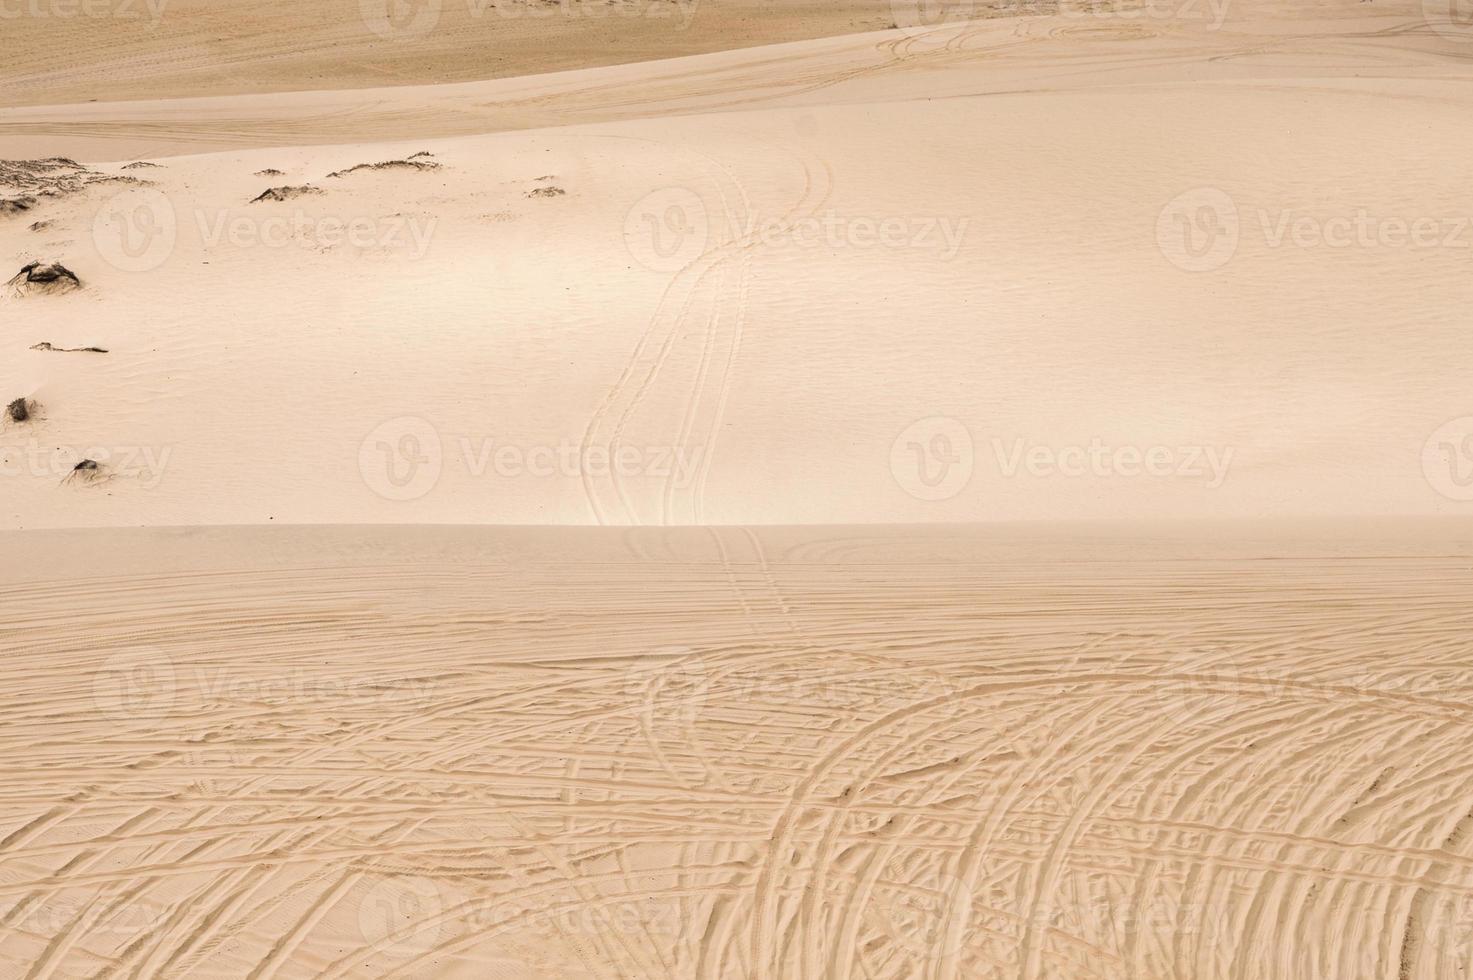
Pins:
x: 270, y: 172
x: 87, y: 471
x: 18, y: 410
x: 44, y: 277
x: 410, y: 164
x: 286, y: 193
x: 140, y: 165
x: 16, y: 205
x: 547, y: 192
x: 46, y: 345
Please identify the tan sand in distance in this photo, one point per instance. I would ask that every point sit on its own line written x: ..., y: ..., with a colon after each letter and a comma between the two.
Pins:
x: 736, y: 490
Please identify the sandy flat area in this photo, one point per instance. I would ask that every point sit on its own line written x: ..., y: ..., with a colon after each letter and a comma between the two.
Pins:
x: 805, y: 752
x: 752, y: 490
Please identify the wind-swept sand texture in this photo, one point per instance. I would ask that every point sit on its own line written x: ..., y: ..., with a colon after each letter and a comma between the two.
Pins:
x: 891, y: 321
x: 1034, y: 240
x: 152, y: 49
x: 835, y: 752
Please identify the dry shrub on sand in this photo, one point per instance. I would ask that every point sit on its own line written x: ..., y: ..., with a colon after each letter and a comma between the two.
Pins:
x: 44, y: 277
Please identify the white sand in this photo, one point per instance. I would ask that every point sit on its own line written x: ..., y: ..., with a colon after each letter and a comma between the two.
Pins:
x: 902, y: 326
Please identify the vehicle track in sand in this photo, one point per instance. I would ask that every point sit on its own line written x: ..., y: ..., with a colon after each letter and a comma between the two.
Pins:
x: 742, y: 760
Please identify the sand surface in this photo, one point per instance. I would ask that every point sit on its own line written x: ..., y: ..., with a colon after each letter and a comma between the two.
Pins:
x: 1042, y: 268
x: 718, y: 494
x: 867, y: 751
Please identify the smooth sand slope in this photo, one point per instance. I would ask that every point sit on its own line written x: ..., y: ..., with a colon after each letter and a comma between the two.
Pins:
x: 80, y: 50
x: 1033, y: 269
x: 839, y: 752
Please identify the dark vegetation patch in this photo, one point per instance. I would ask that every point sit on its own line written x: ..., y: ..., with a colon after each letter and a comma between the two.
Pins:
x: 408, y: 164
x: 46, y: 345
x: 44, y: 277
x: 286, y: 193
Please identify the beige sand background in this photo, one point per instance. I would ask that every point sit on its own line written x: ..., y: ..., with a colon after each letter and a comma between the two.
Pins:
x: 821, y: 752
x: 1066, y: 410
x: 1066, y: 267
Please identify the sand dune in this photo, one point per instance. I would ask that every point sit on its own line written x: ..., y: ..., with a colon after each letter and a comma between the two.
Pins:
x: 1071, y: 257
x: 1054, y: 421
x: 131, y: 49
